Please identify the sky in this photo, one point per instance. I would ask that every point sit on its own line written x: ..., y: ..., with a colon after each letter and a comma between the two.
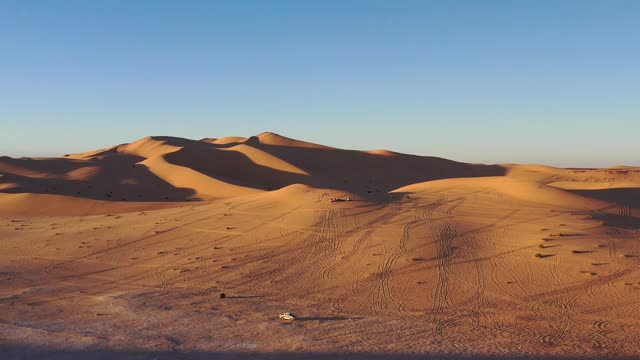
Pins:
x: 551, y: 82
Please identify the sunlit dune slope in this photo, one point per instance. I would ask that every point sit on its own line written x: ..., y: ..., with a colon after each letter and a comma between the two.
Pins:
x: 162, y: 169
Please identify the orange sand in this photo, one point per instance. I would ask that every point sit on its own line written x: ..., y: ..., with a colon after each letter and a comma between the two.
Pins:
x: 127, y: 249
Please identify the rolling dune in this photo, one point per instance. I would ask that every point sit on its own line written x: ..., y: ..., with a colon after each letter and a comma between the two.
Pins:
x: 128, y: 249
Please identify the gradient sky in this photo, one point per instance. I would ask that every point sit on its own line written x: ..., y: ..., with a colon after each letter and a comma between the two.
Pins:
x: 554, y: 82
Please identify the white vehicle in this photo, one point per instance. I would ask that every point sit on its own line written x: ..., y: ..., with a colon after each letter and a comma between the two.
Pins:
x: 287, y: 316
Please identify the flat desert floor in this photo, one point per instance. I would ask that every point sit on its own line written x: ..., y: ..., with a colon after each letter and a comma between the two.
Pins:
x: 124, y: 252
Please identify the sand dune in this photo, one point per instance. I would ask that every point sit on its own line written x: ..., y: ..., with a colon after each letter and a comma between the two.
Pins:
x: 273, y: 139
x: 128, y: 249
x: 158, y: 169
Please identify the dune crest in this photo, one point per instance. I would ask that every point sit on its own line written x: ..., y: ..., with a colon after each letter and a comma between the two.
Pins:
x: 163, y: 168
x: 158, y: 169
x: 269, y: 138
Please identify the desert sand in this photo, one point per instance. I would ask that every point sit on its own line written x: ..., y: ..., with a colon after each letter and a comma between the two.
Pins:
x: 123, y: 253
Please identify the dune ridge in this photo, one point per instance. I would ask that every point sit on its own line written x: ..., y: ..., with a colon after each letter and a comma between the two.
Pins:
x: 160, y: 168
x: 157, y: 169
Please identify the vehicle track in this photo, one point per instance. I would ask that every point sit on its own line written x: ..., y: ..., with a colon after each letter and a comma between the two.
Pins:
x: 310, y: 253
x: 624, y: 209
x: 443, y: 307
x: 364, y: 232
x: 477, y: 288
x: 610, y: 237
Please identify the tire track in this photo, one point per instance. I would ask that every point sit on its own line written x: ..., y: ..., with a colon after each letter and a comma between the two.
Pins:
x: 563, y: 319
x: 364, y: 232
x: 477, y: 288
x: 384, y: 292
x: 443, y: 306
x: 312, y: 253
x: 454, y: 314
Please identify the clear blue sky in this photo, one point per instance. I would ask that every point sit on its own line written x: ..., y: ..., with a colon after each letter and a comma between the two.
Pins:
x: 555, y: 82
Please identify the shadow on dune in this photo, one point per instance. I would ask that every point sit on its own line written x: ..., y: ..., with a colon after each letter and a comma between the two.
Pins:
x: 628, y: 196
x: 35, y: 352
x: 366, y: 173
x: 115, y: 178
x: 232, y: 167
x: 620, y: 221
x: 58, y: 166
x: 351, y: 170
x: 116, y: 175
